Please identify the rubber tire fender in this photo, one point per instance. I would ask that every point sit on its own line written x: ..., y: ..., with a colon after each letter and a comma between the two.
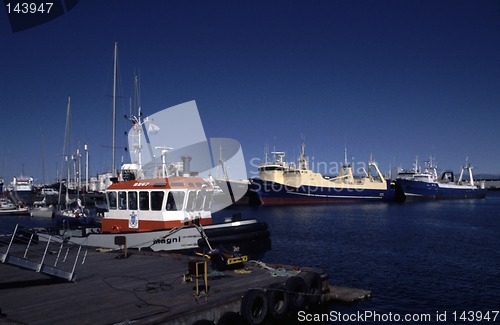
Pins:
x: 254, y: 307
x: 314, y: 286
x: 218, y: 262
x: 296, y: 288
x: 203, y: 322
x: 278, y: 301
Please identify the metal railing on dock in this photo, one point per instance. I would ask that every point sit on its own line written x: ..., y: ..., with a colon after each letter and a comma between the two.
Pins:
x: 54, y: 259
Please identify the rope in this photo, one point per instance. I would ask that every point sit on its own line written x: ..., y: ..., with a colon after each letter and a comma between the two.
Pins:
x: 275, y: 271
x: 149, y: 287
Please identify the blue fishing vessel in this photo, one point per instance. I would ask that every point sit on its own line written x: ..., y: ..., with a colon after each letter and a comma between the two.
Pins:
x: 426, y: 184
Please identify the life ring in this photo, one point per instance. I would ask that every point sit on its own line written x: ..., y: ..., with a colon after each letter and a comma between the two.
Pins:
x: 254, y: 307
x: 230, y: 318
x: 314, y: 285
x: 296, y: 288
x: 278, y: 301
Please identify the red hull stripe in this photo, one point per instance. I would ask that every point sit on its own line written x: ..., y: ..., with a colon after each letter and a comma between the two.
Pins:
x: 121, y: 225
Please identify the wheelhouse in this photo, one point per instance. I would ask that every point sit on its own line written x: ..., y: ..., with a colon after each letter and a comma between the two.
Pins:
x: 153, y: 204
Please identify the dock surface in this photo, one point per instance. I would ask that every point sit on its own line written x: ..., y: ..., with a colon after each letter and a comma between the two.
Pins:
x: 145, y: 288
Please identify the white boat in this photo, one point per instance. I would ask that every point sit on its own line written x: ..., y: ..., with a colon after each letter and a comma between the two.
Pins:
x: 22, y: 190
x: 158, y: 207
x: 165, y: 214
x: 41, y: 210
x: 7, y: 207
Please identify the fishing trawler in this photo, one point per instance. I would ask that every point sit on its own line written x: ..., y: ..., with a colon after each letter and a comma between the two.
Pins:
x: 282, y: 183
x: 162, y: 207
x: 417, y: 184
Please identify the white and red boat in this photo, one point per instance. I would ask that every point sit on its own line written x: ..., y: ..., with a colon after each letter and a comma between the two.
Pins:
x: 168, y: 209
x: 167, y: 214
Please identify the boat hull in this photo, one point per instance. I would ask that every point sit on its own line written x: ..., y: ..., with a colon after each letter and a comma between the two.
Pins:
x: 276, y: 193
x: 250, y: 235
x: 434, y: 190
x: 42, y: 212
x: 18, y: 211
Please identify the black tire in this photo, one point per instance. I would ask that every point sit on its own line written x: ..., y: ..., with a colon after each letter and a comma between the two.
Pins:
x: 203, y: 322
x: 230, y: 318
x: 296, y: 288
x: 314, y: 286
x: 254, y: 307
x: 278, y: 301
x: 218, y: 262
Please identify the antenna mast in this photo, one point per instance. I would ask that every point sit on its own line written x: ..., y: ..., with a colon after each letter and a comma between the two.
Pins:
x: 114, y: 108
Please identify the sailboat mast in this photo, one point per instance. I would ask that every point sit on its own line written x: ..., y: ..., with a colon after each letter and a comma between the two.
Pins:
x: 114, y: 108
x: 66, y: 146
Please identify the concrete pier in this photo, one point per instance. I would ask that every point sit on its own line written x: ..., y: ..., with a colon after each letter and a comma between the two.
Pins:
x: 156, y: 288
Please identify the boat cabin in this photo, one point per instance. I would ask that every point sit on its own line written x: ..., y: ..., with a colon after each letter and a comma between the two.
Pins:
x: 157, y: 204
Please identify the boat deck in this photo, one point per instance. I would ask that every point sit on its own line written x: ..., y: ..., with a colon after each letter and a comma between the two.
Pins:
x: 145, y: 287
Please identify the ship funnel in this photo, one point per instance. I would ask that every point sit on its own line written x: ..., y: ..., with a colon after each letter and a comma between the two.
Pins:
x: 186, y: 160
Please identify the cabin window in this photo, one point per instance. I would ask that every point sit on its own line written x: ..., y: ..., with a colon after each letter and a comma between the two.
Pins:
x: 199, y: 200
x: 271, y: 168
x: 144, y: 200
x: 191, y: 200
x: 175, y: 200
x: 122, y: 200
x: 157, y: 200
x: 112, y: 200
x: 208, y: 201
x: 132, y: 200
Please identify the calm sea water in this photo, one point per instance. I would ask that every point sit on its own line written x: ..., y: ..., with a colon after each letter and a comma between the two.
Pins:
x: 418, y: 258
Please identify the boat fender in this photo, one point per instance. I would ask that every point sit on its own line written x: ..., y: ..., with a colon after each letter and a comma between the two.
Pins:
x: 254, y: 307
x: 296, y: 288
x: 278, y: 301
x: 314, y: 286
x: 230, y: 318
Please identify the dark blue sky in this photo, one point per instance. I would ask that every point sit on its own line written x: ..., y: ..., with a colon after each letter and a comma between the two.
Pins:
x: 392, y: 78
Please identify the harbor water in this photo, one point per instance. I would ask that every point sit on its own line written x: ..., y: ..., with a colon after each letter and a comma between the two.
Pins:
x: 424, y: 261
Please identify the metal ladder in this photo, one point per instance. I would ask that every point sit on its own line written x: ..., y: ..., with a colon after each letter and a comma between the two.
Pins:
x: 47, y: 264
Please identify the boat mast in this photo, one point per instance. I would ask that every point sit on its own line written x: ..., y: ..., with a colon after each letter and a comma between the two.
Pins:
x: 114, y: 109
x: 86, y: 148
x: 302, y: 158
x: 66, y: 146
